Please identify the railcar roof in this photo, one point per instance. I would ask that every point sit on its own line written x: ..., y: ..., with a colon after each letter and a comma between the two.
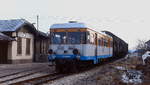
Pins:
x: 101, y: 33
x: 69, y: 25
x: 74, y: 24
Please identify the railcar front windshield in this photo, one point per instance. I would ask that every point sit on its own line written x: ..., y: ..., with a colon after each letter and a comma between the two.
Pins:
x: 68, y: 37
x: 58, y: 37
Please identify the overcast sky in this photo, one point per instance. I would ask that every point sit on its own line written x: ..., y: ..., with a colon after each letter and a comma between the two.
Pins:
x: 128, y: 19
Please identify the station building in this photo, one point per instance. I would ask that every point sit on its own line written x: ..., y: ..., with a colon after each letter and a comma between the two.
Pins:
x: 20, y: 48
x: 4, y: 40
x: 41, y: 47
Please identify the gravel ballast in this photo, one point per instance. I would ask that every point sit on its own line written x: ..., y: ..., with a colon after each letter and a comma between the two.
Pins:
x: 119, y: 72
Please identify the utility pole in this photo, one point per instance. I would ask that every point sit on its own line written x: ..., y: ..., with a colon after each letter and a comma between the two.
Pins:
x: 37, y: 22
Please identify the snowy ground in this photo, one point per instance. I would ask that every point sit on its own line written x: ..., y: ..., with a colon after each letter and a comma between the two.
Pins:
x: 127, y: 71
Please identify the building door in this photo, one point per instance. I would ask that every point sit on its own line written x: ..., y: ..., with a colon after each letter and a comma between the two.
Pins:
x: 3, y: 52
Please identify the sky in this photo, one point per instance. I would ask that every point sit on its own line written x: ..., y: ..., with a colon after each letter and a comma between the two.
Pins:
x: 128, y: 19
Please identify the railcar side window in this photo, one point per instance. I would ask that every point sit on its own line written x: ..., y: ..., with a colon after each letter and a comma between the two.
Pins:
x: 88, y: 37
x: 92, y: 39
x: 111, y: 44
x: 102, y: 42
x: 99, y: 42
x: 105, y: 43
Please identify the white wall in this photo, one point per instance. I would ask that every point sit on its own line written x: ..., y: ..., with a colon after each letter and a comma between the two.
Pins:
x: 12, y: 53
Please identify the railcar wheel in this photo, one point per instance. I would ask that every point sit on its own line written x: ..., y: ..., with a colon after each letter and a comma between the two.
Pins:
x: 58, y: 68
x: 74, y: 67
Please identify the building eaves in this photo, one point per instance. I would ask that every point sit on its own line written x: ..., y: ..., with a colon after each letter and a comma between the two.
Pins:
x: 40, y: 33
x: 4, y: 37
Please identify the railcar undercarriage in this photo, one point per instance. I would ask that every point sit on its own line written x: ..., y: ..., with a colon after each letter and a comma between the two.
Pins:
x: 68, y: 65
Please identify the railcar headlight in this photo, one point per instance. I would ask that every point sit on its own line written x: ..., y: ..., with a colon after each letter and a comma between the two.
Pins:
x: 65, y: 51
x: 50, y: 51
x: 75, y: 51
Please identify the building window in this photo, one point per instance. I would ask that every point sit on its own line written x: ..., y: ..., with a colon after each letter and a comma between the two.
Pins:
x: 28, y: 46
x: 40, y: 47
x: 19, y: 45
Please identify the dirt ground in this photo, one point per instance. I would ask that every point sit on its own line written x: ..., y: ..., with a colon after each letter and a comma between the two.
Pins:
x: 130, y: 71
x: 126, y: 71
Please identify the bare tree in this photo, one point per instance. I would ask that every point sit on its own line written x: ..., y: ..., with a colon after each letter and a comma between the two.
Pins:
x: 141, y: 46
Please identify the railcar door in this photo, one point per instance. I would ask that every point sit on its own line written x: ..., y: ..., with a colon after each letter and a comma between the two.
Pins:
x: 96, y: 44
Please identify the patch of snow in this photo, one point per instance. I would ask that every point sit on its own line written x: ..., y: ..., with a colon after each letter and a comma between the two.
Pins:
x: 145, y: 56
x: 120, y: 68
x: 132, y: 76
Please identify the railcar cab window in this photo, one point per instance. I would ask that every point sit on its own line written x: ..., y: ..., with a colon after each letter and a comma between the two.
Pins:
x: 76, y: 38
x: 58, y: 38
x: 68, y: 37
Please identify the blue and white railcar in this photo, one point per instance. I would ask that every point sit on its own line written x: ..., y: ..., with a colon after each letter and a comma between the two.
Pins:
x: 76, y: 41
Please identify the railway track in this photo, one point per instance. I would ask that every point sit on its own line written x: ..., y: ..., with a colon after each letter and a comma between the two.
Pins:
x: 35, y: 76
x: 13, y: 70
x: 17, y: 72
x: 23, y: 75
x: 41, y: 79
